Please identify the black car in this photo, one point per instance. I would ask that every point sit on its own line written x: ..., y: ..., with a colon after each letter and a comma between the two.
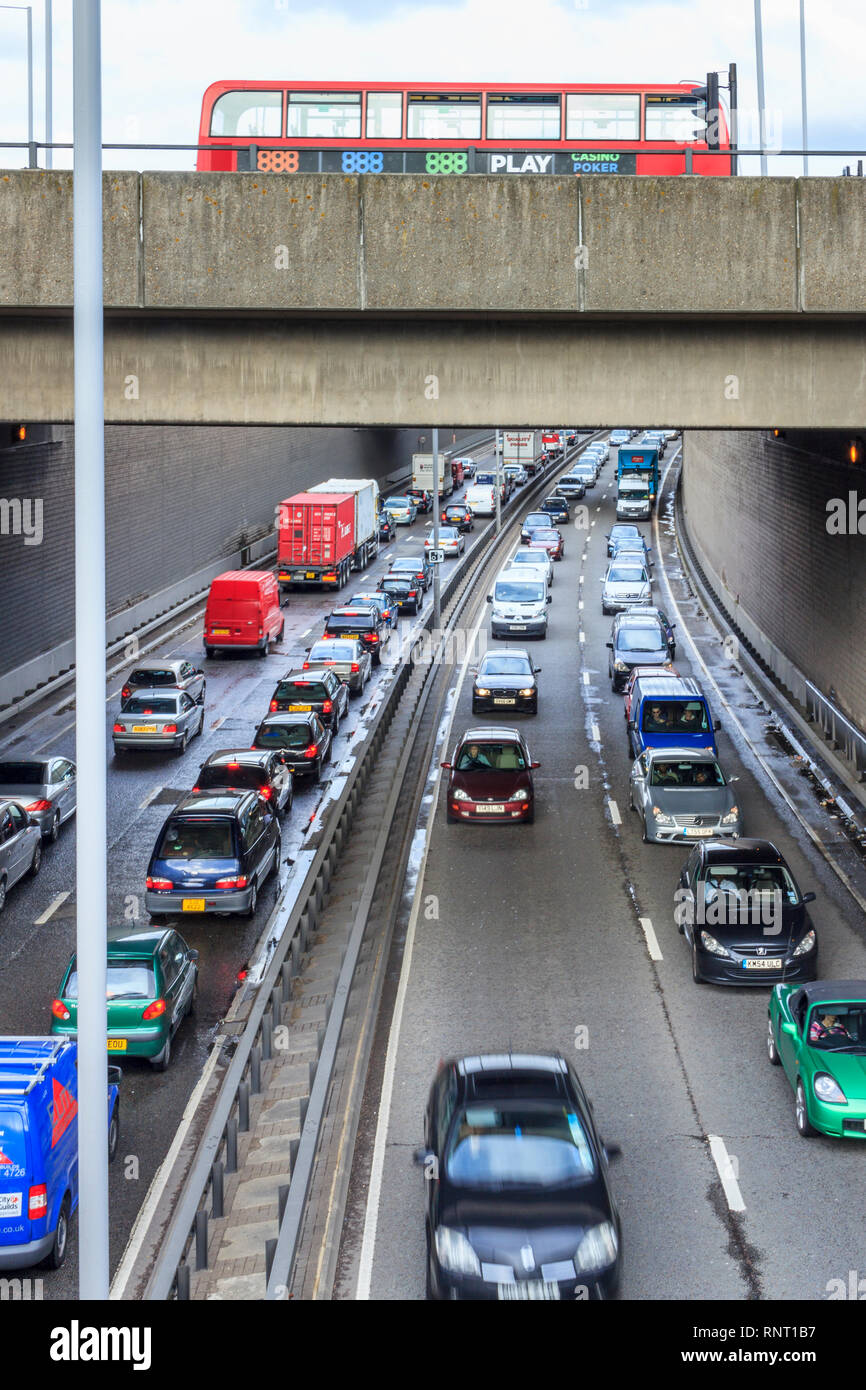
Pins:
x: 213, y: 854
x: 415, y: 567
x: 423, y: 500
x: 743, y: 916
x: 621, y: 531
x: 363, y: 623
x: 316, y: 691
x: 247, y: 769
x: 402, y: 593
x: 536, y: 521
x: 557, y: 509
x: 301, y: 740
x: 519, y: 1206
x: 637, y: 639
x: 505, y: 681
x: 387, y: 529
x: 459, y: 515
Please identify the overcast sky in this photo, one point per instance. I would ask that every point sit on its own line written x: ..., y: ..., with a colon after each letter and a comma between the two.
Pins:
x: 159, y: 55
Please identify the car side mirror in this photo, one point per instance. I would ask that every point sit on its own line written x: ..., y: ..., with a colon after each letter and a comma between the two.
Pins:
x: 536, y: 670
x: 308, y: 649
x: 790, y: 1029
x: 609, y: 644
x: 423, y: 1157
x: 448, y: 765
x: 612, y: 1150
x: 717, y: 724
x: 550, y: 598
x: 489, y: 598
x: 192, y: 955
x: 535, y: 764
x: 631, y: 724
x: 808, y: 898
x: 115, y: 1076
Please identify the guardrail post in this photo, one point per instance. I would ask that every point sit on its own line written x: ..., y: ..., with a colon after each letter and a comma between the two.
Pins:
x: 277, y: 1005
x: 286, y: 973
x: 232, y: 1146
x: 283, y: 1197
x: 244, y: 1107
x: 270, y: 1251
x: 183, y: 1283
x: 201, y: 1239
x: 255, y: 1072
x: 689, y: 169
x: 217, y: 1189
x: 267, y: 1039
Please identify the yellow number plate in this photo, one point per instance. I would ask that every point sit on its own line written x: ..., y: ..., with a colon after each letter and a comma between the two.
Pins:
x: 222, y: 632
x: 117, y: 1044
x: 294, y: 709
x: 192, y: 905
x: 144, y: 728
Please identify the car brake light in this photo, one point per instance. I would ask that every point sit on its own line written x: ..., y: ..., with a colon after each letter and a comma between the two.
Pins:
x: 41, y: 805
x: 374, y: 637
x: 118, y: 729
x: 59, y: 1009
x: 239, y: 882
x: 306, y: 666
x: 311, y: 750
x: 355, y: 666
x: 154, y: 1010
x: 265, y: 793
x: 327, y: 707
x: 273, y: 706
x: 158, y: 885
x: 413, y: 593
x: 169, y: 728
x: 37, y: 1202
x: 196, y: 789
x: 233, y: 765
x: 126, y: 692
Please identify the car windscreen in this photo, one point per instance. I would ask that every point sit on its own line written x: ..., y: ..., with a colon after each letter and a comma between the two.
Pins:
x: 531, y: 556
x: 160, y: 705
x: 639, y: 639
x: 446, y: 533
x: 545, y: 533
x: 153, y: 676
x: 284, y: 735
x: 518, y: 591
x: 332, y: 651
x: 396, y: 586
x: 301, y: 692
x: 675, y: 717
x: 624, y: 532
x: 22, y: 774
x: 125, y: 979
x: 354, y: 622
x: 197, y: 838
x: 491, y: 757
x: 509, y: 1144
x: 397, y: 502
x: 536, y: 519
x: 685, y: 774
x: 226, y: 775
x: 626, y: 574
x: 412, y: 564
x: 838, y: 1027
x: 748, y: 882
x: 505, y: 666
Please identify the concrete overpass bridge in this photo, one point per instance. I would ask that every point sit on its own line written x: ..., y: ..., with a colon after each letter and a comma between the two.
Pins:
x: 324, y: 299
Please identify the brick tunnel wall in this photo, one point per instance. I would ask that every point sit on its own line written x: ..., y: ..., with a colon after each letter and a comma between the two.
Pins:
x: 756, y: 510
x: 177, y: 499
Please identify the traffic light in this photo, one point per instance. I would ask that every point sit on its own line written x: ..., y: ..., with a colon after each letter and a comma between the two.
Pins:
x: 710, y: 96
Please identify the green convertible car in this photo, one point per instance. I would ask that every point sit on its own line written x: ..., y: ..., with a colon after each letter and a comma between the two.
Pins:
x: 817, y: 1032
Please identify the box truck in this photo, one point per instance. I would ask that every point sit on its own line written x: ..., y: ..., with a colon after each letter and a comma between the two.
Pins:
x: 523, y: 447
x: 327, y: 532
x: 422, y: 473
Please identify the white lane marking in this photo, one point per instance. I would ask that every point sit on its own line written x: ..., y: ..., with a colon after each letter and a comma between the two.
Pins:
x: 580, y: 580
x: 581, y: 636
x: 596, y: 734
x: 151, y: 796
x: 218, y: 723
x: 305, y: 634
x: 614, y: 811
x: 50, y: 910
x: 377, y: 1165
x: 726, y: 1172
x: 589, y: 538
x: 579, y: 605
x: 651, y: 938
x: 586, y: 678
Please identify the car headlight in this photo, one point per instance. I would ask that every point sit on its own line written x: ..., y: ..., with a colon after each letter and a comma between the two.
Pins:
x: 619, y: 665
x: 827, y: 1089
x: 662, y: 816
x: 530, y: 690
x: 806, y: 945
x: 597, y: 1249
x: 733, y: 815
x: 481, y: 690
x: 460, y: 795
x: 455, y: 1253
x: 714, y: 947
x: 520, y: 795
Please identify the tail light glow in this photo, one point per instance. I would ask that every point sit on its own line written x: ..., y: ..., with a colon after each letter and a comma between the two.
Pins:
x: 59, y: 1009
x: 158, y: 885
x: 273, y: 706
x: 327, y: 707
x: 240, y: 881
x: 169, y: 728
x: 355, y: 666
x: 37, y: 1202
x: 41, y: 805
x: 118, y: 729
x: 154, y: 1010
x: 311, y: 750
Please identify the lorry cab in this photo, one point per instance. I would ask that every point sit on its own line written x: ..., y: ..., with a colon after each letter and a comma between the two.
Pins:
x: 243, y: 612
x: 39, y: 1147
x: 668, y: 713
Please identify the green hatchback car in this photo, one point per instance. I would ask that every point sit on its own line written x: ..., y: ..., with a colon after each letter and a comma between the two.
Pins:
x: 151, y: 986
x: 817, y: 1033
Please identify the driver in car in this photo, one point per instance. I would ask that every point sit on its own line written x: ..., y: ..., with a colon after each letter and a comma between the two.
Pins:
x: 474, y: 759
x: 829, y: 1026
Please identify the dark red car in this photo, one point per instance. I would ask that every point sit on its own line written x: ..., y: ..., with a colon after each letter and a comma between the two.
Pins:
x: 549, y: 539
x: 491, y: 777
x: 459, y: 515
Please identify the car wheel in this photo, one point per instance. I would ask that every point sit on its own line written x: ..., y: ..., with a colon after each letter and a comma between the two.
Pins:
x: 429, y: 1285
x: 335, y: 725
x: 2, y: 893
x: 696, y: 972
x: 114, y: 1133
x: 209, y: 651
x: 51, y: 837
x: 805, y: 1128
x: 282, y: 631
x: 377, y: 658
x: 772, y: 1050
x: 193, y: 998
x: 61, y: 1238
x: 181, y: 747
x: 644, y: 835
x: 161, y: 1060
x: 36, y: 861
x: 200, y: 729
x: 530, y: 819
x: 317, y: 772
x: 254, y: 902
x: 263, y: 649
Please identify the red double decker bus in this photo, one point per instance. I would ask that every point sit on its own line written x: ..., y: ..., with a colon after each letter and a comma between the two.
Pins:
x: 458, y: 128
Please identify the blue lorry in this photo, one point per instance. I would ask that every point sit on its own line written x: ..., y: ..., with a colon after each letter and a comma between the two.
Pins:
x: 637, y: 463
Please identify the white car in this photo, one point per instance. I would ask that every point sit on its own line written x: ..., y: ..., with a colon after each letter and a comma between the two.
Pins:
x: 623, y: 585
x: 529, y: 559
x: 519, y: 604
x: 517, y: 473
x: 481, y: 500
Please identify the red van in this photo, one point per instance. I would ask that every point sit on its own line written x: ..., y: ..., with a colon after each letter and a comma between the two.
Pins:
x: 457, y: 472
x: 243, y: 612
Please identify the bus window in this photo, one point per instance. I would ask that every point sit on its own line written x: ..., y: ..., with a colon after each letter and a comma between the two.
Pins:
x: 522, y: 116
x: 247, y: 114
x: 675, y: 117
x: 324, y: 115
x: 602, y: 116
x: 448, y: 117
x: 384, y: 115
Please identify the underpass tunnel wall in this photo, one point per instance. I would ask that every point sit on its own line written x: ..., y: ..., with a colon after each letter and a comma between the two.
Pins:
x: 774, y: 525
x: 179, y: 500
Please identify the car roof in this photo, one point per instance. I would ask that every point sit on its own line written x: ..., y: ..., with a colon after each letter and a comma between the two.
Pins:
x: 212, y: 802
x: 285, y: 717
x: 636, y: 619
x: 123, y: 942
x: 247, y: 757
x: 159, y: 692
x: 746, y: 851
x: 662, y: 686
x: 297, y: 673
x: 506, y: 651
x: 817, y: 991
x: 510, y: 1062
x: 694, y: 755
x: 492, y: 732
x: 170, y: 665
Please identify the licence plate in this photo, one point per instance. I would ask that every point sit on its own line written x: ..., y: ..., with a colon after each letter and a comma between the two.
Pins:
x: 528, y: 1289
x: 10, y: 1203
x: 498, y: 701
x: 144, y: 728
x: 489, y: 810
x: 311, y: 574
x: 763, y: 963
x: 294, y: 709
x: 517, y: 627
x: 221, y: 632
x: 117, y: 1044
x: 698, y: 830
x: 192, y: 905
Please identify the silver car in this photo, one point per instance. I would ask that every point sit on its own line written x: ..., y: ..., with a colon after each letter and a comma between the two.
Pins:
x: 451, y: 541
x: 157, y: 719
x: 46, y: 788
x: 534, y: 559
x: 623, y: 585
x: 681, y: 796
x: 346, y: 656
x: 20, y: 847
x: 175, y: 674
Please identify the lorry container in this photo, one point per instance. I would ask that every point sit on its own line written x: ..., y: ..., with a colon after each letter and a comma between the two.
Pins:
x: 640, y: 461
x: 327, y: 532
x: 523, y: 447
x: 422, y: 473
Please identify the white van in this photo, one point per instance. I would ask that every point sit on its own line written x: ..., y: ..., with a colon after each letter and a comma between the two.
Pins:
x: 519, y: 604
x: 481, y: 500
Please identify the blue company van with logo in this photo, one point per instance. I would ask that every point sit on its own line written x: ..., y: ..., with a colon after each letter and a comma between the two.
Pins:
x: 39, y: 1147
x: 670, y: 713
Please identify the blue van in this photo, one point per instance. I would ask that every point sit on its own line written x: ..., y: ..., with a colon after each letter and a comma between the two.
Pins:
x: 39, y: 1147
x: 668, y: 713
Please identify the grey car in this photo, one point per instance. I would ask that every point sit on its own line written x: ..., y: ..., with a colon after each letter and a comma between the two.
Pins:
x: 681, y: 795
x: 624, y: 585
x: 20, y: 847
x: 45, y: 788
x: 176, y: 675
x: 157, y: 719
x: 572, y: 486
x: 346, y: 656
